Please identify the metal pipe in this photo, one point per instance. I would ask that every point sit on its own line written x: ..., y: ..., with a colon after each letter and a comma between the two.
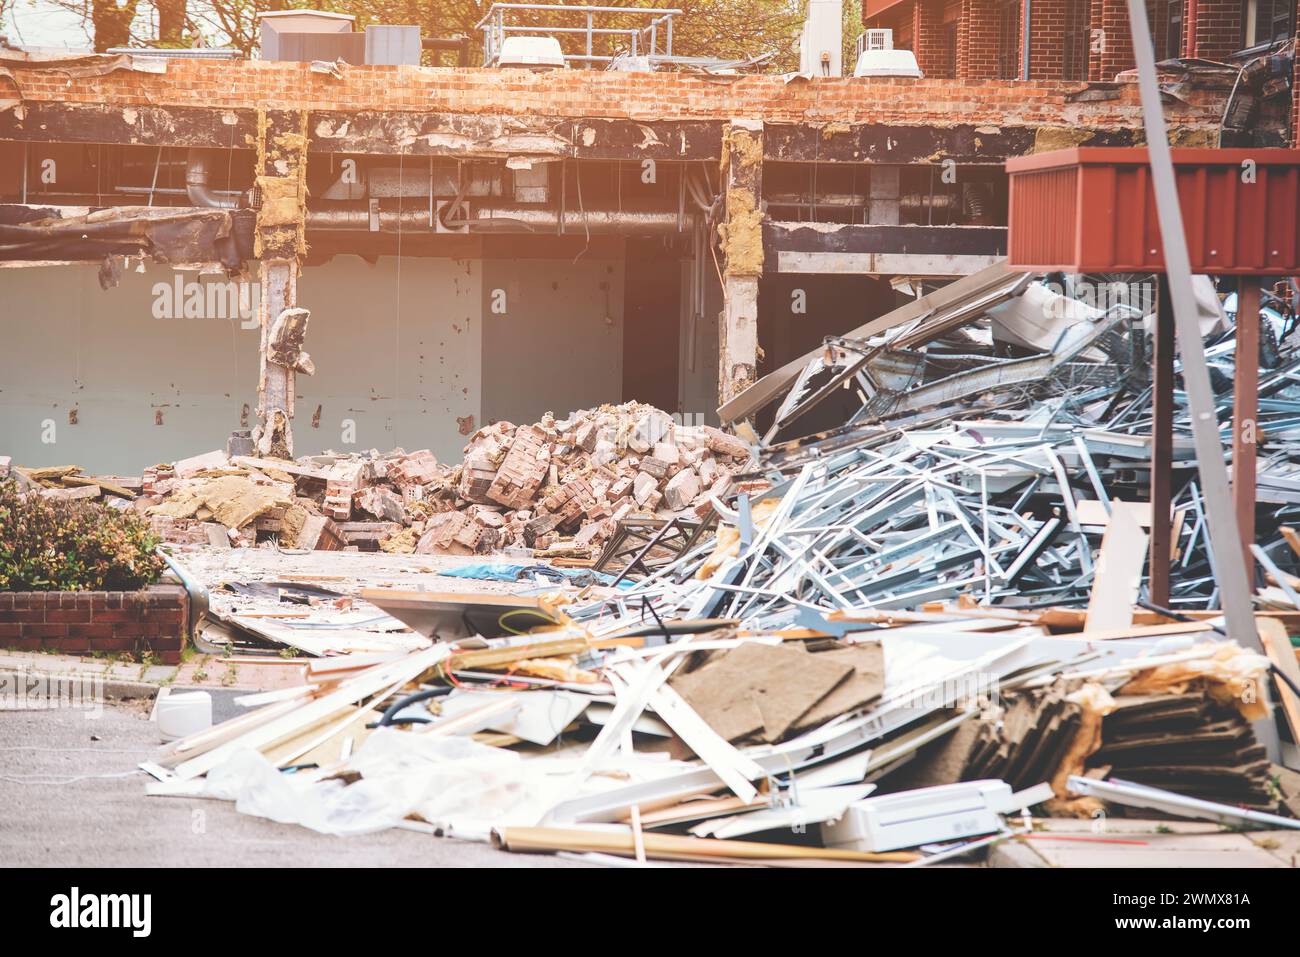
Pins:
x: 521, y: 219
x: 196, y: 184
x: 198, y: 594
x: 1024, y: 46
x: 499, y: 7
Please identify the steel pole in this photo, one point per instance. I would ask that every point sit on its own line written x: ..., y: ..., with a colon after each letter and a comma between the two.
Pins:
x: 1225, y: 540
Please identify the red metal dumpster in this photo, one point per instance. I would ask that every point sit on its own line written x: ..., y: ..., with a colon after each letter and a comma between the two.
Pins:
x: 1094, y: 210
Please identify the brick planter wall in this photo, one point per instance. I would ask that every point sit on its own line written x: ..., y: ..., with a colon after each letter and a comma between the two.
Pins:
x: 153, y: 620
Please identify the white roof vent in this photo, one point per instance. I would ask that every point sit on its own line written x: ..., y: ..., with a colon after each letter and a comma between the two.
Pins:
x: 531, y: 53
x: 887, y: 63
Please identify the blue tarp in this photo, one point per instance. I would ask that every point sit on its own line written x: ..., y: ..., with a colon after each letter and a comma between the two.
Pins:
x: 497, y: 572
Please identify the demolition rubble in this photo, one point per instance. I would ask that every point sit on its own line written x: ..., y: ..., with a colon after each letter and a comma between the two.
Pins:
x: 905, y: 631
x: 557, y: 488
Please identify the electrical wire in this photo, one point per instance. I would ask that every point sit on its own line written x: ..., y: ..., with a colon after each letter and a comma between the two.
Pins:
x: 403, y: 703
x: 546, y: 619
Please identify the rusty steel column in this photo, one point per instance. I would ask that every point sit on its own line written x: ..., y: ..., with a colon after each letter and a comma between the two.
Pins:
x: 742, y: 245
x: 1162, y: 444
x: 1245, y: 412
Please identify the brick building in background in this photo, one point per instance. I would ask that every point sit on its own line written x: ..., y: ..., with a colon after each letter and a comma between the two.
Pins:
x: 1071, y: 39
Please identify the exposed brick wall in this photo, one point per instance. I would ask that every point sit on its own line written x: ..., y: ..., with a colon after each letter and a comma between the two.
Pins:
x: 1096, y: 35
x: 86, y: 622
x: 1218, y: 29
x: 1116, y: 40
x: 981, y: 52
x: 900, y: 20
x: 582, y: 93
x: 977, y: 40
x: 934, y: 52
x: 1047, y: 28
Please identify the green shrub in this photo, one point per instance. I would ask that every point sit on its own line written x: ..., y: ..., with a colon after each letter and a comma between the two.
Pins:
x: 48, y: 545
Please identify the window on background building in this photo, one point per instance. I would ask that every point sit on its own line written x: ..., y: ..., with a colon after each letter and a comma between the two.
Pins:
x: 1267, y: 21
x: 1166, y: 27
x: 1077, y: 39
x: 1168, y: 33
x: 950, y: 48
x: 1009, y: 40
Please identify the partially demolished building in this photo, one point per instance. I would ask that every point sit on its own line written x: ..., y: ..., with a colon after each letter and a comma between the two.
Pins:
x: 499, y: 242
x: 946, y: 531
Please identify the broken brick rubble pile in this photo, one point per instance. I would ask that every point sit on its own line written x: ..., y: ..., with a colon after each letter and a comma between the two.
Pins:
x: 558, y: 487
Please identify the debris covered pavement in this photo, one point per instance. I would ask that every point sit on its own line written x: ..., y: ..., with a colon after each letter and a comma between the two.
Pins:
x: 908, y: 632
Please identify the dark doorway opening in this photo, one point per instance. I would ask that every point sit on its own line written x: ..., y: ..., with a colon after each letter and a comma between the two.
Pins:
x: 652, y: 308
x: 795, y: 315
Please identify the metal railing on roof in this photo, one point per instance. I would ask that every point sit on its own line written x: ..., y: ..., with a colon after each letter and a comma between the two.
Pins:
x: 181, y: 53
x: 644, y: 41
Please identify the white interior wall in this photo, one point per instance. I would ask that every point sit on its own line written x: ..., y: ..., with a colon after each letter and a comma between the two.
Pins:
x: 407, y: 356
x: 559, y: 345
x: 67, y: 344
x: 698, y: 361
x: 145, y: 390
x: 397, y: 353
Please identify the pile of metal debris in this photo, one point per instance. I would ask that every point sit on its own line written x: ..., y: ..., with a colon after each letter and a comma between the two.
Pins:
x: 908, y: 631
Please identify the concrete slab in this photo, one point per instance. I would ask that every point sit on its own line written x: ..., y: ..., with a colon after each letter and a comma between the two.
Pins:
x: 240, y: 673
x: 108, y: 668
x: 1284, y: 845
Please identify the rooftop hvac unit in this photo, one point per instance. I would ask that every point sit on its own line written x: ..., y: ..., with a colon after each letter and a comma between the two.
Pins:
x: 330, y: 47
x: 531, y: 53
x: 393, y: 45
x: 273, y: 24
x: 877, y: 56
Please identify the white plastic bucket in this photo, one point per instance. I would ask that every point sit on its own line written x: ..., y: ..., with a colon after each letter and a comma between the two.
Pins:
x: 180, y: 715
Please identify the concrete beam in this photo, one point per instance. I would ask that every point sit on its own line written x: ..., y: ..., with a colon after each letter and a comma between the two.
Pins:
x: 40, y: 121
x: 475, y: 135
x: 964, y: 143
x: 855, y: 249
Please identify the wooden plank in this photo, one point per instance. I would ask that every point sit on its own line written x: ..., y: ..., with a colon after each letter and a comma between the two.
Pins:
x: 347, y: 694
x: 1142, y: 631
x: 281, y: 465
x: 1277, y: 645
x: 675, y: 847
x: 1292, y: 538
x: 84, y: 480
